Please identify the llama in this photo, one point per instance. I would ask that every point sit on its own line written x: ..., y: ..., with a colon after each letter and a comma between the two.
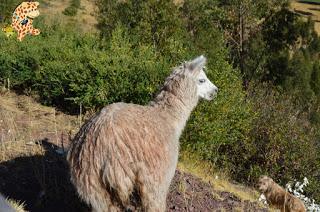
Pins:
x: 125, y: 157
x: 278, y: 197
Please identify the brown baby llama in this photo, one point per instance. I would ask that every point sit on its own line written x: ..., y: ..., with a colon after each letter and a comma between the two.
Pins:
x: 278, y: 197
x: 125, y: 157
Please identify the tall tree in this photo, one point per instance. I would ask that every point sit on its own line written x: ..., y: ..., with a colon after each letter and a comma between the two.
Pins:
x: 244, y: 20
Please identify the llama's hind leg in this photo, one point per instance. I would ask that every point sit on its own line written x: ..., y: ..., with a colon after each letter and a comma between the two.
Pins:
x: 103, y: 203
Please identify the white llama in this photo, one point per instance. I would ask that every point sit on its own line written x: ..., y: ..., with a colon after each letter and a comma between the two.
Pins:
x: 125, y: 157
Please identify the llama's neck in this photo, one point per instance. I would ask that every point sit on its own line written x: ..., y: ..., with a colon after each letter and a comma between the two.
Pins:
x: 178, y: 105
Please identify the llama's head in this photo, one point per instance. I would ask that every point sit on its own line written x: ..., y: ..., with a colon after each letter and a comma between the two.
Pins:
x: 188, y: 82
x: 264, y: 183
x: 205, y: 88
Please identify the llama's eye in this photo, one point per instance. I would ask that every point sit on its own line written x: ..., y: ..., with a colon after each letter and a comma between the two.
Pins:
x: 202, y: 80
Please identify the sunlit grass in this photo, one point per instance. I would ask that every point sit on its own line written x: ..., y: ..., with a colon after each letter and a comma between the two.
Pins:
x: 190, y: 163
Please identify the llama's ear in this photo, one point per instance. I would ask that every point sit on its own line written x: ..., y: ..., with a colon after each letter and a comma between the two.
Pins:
x: 197, y: 64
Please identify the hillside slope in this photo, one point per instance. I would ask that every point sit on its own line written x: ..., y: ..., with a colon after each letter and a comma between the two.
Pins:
x: 33, y: 170
x: 85, y: 18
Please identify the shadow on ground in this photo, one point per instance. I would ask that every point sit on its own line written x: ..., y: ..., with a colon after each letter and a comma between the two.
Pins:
x: 41, y: 182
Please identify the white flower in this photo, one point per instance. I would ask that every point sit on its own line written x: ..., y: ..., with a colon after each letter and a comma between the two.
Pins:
x: 298, y: 190
x: 305, y: 181
x: 263, y: 199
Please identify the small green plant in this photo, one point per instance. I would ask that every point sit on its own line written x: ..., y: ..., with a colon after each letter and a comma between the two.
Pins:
x: 73, y: 8
x: 70, y: 11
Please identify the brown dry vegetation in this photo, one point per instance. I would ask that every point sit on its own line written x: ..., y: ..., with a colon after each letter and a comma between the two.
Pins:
x: 85, y: 18
x: 33, y: 171
x: 308, y: 10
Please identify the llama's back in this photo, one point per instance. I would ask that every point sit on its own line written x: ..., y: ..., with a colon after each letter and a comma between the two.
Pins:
x: 295, y: 204
x: 112, y: 152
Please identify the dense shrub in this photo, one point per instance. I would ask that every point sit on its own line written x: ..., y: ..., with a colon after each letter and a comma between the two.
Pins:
x: 284, y: 144
x: 60, y: 64
x: 221, y: 124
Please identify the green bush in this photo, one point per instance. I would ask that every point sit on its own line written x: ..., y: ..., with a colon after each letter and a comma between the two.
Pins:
x: 216, y: 128
x: 284, y: 144
x: 60, y: 64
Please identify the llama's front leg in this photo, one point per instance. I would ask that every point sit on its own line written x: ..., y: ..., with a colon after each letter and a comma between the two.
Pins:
x: 153, y: 202
x: 153, y: 190
x: 153, y: 198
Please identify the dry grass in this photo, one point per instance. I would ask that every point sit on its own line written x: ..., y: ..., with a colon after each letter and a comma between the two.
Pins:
x: 30, y: 137
x: 85, y: 19
x: 87, y: 14
x: 313, y: 9
x: 220, y: 181
x: 17, y: 205
x: 23, y: 123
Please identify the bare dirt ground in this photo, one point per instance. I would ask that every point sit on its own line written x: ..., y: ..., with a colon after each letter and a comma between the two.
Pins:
x: 189, y: 193
x: 33, y: 170
x: 308, y: 10
x: 87, y: 13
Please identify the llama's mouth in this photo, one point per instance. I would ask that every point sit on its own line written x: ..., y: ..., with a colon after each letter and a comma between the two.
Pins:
x: 261, y: 188
x: 212, y: 96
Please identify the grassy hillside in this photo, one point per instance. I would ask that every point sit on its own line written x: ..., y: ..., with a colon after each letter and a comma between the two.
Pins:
x: 85, y: 17
x: 33, y: 168
x: 259, y: 124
